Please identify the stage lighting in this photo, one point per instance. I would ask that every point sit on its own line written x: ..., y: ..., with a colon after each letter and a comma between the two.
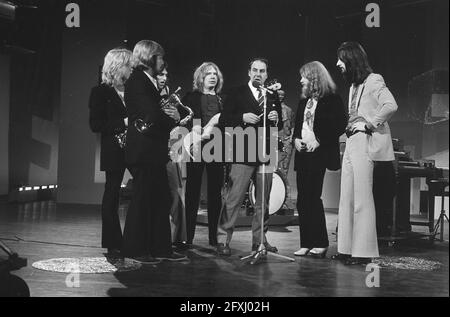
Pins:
x: 7, y: 11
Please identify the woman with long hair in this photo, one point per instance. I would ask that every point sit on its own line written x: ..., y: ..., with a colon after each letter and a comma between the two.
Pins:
x: 320, y: 121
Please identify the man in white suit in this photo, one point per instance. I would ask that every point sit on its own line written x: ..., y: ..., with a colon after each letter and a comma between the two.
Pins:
x: 371, y: 104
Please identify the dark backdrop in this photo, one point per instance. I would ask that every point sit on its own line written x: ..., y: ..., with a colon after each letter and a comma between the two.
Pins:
x: 50, y: 88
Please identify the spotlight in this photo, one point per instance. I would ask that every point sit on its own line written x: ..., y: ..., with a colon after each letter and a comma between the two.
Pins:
x: 7, y: 11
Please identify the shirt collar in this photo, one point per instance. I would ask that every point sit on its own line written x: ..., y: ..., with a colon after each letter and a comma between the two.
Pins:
x: 254, y: 90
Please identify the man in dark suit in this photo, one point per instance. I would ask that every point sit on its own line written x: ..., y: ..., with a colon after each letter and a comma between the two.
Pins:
x: 147, y: 230
x: 107, y: 115
x: 321, y: 119
x: 242, y: 109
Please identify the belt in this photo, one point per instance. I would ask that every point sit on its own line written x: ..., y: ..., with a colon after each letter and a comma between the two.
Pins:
x: 350, y: 133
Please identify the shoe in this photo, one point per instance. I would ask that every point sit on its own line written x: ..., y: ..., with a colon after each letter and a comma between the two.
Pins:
x: 223, y: 249
x: 357, y: 261
x: 213, y: 244
x: 270, y: 248
x: 147, y: 259
x: 267, y: 246
x: 318, y: 252
x: 302, y: 252
x: 180, y: 246
x: 340, y: 257
x: 174, y: 257
x: 113, y: 253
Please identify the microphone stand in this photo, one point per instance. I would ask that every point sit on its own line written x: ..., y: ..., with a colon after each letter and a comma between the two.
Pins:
x: 262, y: 251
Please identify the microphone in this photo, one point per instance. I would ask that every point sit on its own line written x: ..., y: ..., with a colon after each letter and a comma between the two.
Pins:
x: 256, y: 84
x: 271, y: 89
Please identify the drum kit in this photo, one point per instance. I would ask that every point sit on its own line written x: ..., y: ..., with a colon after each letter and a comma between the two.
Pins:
x: 278, y: 193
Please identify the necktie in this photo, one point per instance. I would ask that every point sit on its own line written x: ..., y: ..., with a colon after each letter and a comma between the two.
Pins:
x: 261, y: 99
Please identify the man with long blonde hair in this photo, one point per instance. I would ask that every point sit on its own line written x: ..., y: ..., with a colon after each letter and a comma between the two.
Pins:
x: 206, y: 102
x: 107, y: 115
x: 320, y: 121
x: 147, y: 235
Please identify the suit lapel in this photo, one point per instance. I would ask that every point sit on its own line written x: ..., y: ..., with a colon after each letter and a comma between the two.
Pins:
x: 301, y: 113
x: 360, y: 92
x: 251, y: 100
x: 116, y: 101
x: 358, y: 97
x: 151, y: 88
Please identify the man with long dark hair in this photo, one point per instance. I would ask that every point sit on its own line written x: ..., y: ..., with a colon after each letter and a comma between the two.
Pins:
x: 370, y: 105
x: 177, y: 210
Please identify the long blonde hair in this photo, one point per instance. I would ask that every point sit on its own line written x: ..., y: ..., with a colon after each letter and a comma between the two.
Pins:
x: 200, y: 74
x: 117, y: 66
x: 321, y: 83
x: 145, y: 53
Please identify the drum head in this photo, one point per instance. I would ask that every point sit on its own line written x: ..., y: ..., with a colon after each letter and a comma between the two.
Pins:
x: 277, y: 194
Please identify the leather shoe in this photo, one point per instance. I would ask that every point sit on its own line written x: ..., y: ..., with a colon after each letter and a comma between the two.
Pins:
x: 302, y: 252
x: 357, y: 261
x: 179, y: 246
x: 318, y: 252
x: 223, y: 249
x: 267, y: 246
x: 270, y: 248
x: 340, y: 257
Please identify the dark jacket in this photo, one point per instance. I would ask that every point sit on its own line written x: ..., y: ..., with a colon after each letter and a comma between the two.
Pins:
x: 330, y: 120
x: 142, y: 100
x: 240, y: 100
x: 106, y: 114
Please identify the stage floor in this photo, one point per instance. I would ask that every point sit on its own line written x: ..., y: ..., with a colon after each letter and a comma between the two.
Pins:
x: 44, y: 230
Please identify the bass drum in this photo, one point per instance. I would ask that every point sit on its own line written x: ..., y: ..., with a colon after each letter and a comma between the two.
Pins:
x: 278, y: 193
